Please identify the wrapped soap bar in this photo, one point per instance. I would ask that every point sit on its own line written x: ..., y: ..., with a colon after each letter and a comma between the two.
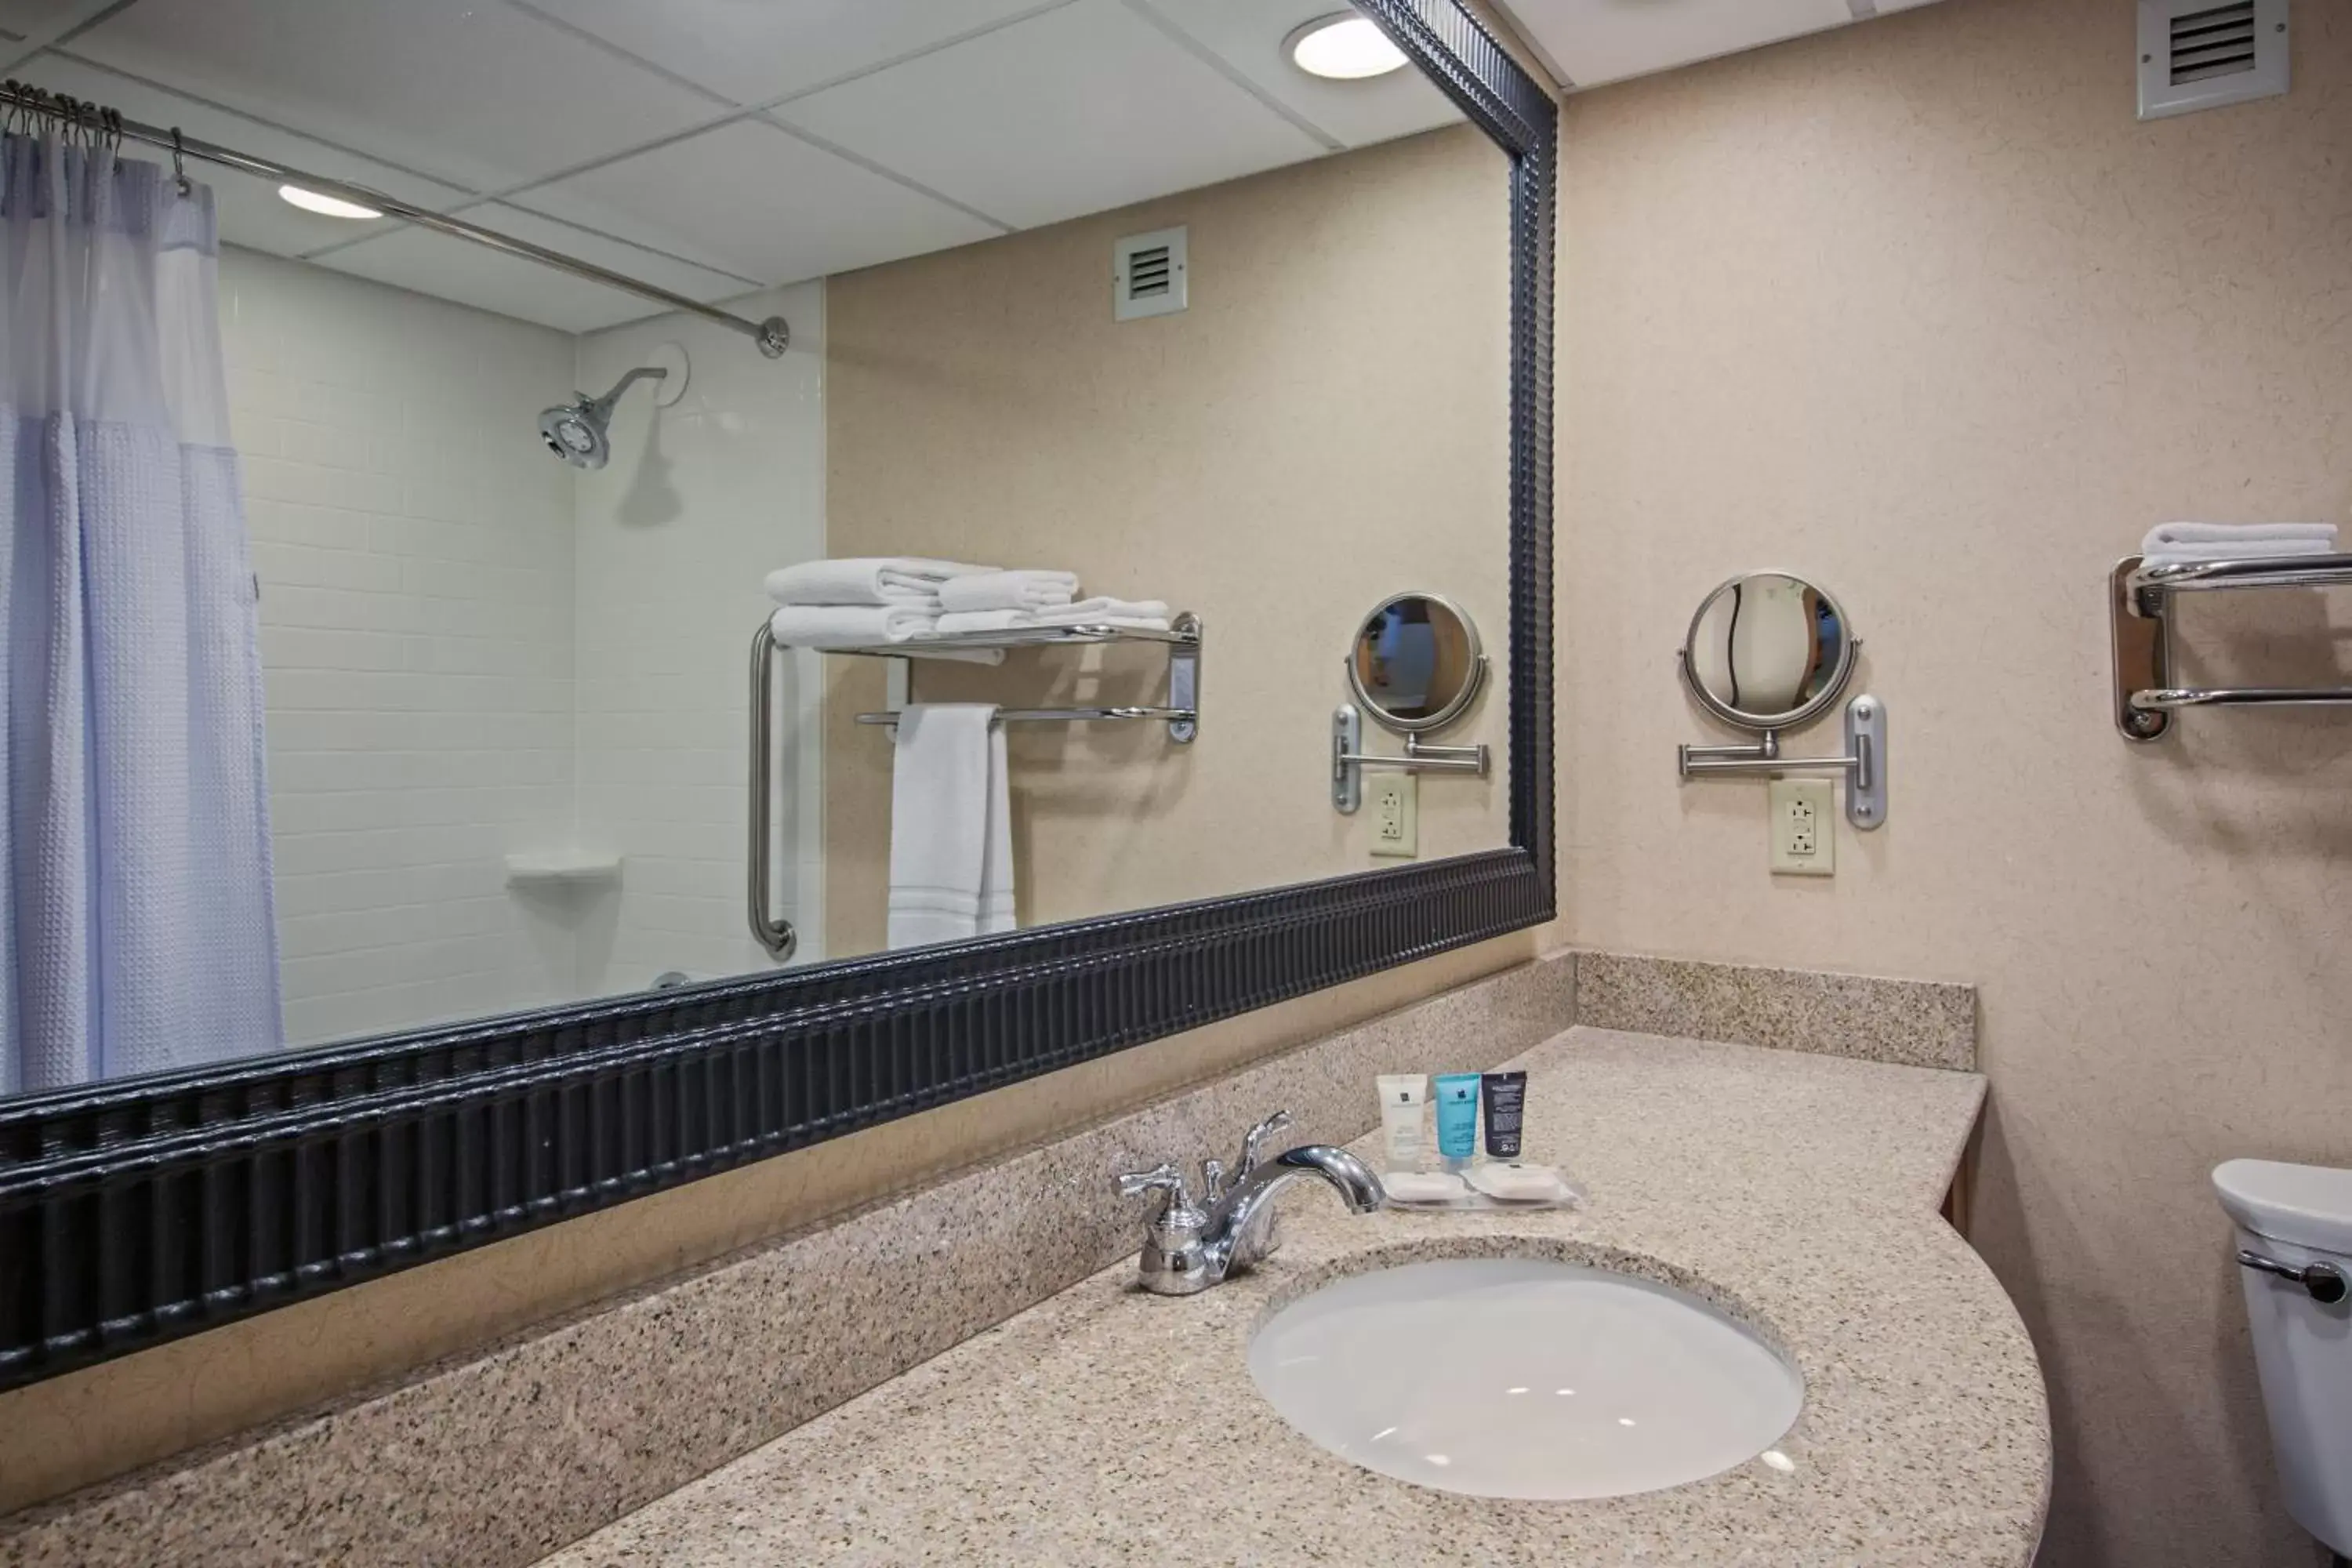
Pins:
x: 1513, y: 1183
x: 1423, y: 1187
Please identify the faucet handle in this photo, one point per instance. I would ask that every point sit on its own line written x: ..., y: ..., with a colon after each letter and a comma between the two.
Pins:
x: 1161, y: 1178
x: 1256, y: 1136
x: 1212, y: 1180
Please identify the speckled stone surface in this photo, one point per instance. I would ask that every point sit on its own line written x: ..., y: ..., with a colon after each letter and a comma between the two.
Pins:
x: 494, y: 1459
x: 1923, y: 1023
x: 1799, y: 1192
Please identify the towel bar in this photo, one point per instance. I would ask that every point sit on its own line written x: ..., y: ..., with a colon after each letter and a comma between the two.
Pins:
x: 1182, y: 713
x: 1046, y: 715
x: 2139, y: 622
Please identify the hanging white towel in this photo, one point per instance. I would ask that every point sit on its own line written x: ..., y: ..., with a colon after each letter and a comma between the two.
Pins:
x: 951, y: 825
x: 1136, y: 614
x: 2184, y: 543
x: 867, y: 580
x: 1027, y: 590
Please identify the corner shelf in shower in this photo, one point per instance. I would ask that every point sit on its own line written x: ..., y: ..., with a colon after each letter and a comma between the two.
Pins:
x: 2139, y: 617
x: 562, y: 869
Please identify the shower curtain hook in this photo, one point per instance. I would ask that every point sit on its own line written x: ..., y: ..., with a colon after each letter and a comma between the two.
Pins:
x: 179, y: 168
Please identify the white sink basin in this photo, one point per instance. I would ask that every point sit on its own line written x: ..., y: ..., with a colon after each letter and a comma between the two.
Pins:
x: 1521, y: 1378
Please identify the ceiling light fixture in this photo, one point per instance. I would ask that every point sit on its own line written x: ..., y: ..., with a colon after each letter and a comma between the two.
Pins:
x: 329, y: 207
x: 1345, y: 48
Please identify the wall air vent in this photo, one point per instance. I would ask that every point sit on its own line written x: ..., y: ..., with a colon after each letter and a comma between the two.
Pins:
x: 2201, y: 54
x: 1147, y: 275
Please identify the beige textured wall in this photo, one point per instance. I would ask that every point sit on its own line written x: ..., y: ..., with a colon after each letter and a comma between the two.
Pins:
x: 1325, y: 425
x: 1919, y: 308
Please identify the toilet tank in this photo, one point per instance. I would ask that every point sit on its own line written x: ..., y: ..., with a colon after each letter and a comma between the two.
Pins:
x: 2298, y: 1215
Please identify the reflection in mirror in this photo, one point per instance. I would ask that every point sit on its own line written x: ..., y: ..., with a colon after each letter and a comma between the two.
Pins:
x: 1767, y: 651
x: 429, y: 702
x: 1416, y: 663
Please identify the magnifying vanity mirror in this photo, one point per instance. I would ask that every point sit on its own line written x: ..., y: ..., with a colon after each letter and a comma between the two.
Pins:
x: 1415, y: 666
x: 1769, y: 652
x: 1416, y: 663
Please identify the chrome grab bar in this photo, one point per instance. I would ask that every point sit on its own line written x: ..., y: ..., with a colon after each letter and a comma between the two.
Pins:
x: 776, y: 935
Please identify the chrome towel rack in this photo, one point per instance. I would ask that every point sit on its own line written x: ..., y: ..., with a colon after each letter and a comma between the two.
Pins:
x: 1181, y: 713
x: 2139, y: 620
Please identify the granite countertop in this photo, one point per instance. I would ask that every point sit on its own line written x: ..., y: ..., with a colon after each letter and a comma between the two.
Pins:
x: 1799, y: 1192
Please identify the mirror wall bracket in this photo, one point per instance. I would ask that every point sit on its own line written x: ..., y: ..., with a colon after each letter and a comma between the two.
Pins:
x: 1349, y: 760
x: 1863, y: 761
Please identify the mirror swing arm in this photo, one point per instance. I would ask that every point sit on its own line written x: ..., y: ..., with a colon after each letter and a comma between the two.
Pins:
x: 1863, y: 761
x: 1349, y: 760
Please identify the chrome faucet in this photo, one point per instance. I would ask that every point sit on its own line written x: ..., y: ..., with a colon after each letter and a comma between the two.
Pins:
x: 1188, y: 1248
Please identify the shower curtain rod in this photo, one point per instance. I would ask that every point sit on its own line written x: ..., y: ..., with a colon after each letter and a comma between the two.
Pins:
x: 772, y: 335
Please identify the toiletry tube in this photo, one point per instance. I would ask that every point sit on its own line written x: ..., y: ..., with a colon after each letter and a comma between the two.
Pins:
x: 1506, y: 1097
x: 1457, y: 1118
x: 1404, y: 1095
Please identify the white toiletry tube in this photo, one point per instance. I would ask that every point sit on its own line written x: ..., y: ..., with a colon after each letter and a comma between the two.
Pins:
x: 1403, y: 1100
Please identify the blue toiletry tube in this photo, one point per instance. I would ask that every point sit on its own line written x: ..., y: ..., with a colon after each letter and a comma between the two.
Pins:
x: 1457, y: 1116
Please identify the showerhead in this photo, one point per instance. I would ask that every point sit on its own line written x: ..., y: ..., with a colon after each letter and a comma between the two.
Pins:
x: 577, y: 431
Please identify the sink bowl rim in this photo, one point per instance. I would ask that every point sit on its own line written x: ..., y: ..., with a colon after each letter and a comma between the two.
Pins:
x: 1793, y: 1447
x: 1642, y: 1265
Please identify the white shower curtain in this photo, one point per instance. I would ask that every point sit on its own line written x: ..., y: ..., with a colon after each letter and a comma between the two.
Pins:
x: 136, y: 927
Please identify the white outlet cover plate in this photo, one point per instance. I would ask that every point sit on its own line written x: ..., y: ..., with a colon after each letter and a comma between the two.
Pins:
x: 1818, y: 795
x: 1403, y: 789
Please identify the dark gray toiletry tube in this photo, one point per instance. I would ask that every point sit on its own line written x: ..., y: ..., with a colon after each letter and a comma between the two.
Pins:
x: 1505, y: 1094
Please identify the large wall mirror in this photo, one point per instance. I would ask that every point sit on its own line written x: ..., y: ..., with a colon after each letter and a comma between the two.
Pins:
x: 403, y: 850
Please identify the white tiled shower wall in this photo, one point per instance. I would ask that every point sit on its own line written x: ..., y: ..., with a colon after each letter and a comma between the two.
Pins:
x: 445, y: 610
x: 699, y: 502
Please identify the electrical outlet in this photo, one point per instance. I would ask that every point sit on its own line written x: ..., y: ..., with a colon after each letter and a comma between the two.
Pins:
x: 1395, y: 802
x: 1804, y: 834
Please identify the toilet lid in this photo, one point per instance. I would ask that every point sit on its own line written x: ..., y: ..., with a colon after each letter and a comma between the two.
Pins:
x: 2307, y: 1206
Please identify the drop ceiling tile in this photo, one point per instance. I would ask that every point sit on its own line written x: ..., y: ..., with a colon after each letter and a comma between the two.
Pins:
x: 429, y: 263
x: 251, y: 213
x: 1080, y: 110
x: 22, y: 18
x: 466, y: 90
x: 1248, y: 34
x: 756, y: 52
x: 759, y: 202
x: 1607, y: 40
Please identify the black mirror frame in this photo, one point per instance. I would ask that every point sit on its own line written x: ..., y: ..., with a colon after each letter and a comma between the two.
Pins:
x: 142, y: 1210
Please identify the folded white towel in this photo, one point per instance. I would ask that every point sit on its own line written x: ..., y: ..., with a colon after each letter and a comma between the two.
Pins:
x: 849, y: 626
x: 866, y: 580
x: 870, y: 626
x: 1134, y: 614
x: 951, y: 825
x: 2183, y: 544
x: 1026, y: 590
